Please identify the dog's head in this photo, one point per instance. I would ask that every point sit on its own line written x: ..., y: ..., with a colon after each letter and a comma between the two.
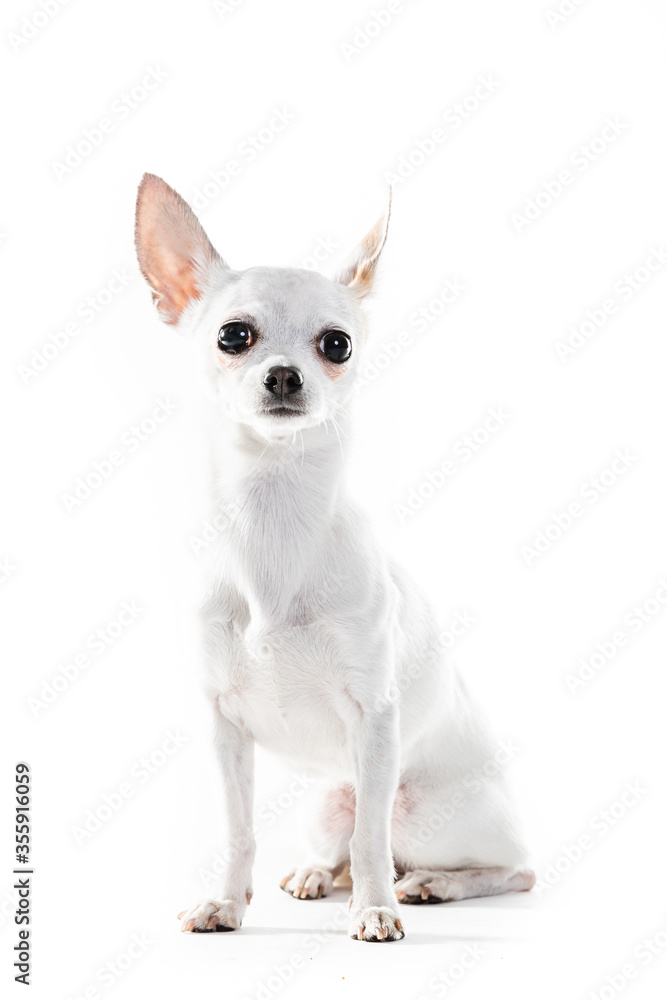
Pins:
x: 281, y: 345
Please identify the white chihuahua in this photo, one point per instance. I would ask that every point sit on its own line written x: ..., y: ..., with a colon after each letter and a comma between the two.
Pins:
x: 318, y: 646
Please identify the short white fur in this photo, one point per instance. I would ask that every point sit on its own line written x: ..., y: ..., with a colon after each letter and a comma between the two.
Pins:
x: 311, y: 630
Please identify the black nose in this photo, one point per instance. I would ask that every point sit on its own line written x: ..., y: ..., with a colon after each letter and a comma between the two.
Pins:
x: 283, y: 381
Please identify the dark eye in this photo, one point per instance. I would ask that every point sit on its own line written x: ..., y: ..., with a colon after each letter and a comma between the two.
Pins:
x: 235, y: 337
x: 336, y: 345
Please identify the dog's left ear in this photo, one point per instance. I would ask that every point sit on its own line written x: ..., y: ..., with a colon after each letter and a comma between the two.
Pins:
x: 175, y: 254
x: 359, y: 271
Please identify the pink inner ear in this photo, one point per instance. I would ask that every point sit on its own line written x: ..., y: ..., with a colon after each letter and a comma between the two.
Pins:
x: 170, y: 245
x: 172, y: 296
x: 360, y: 270
x: 176, y: 282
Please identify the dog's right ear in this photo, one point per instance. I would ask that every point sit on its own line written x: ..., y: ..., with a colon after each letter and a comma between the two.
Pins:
x: 175, y: 255
x: 359, y: 271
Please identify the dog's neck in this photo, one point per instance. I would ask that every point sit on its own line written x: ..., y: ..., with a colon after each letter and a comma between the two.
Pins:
x: 279, y: 500
x: 243, y: 459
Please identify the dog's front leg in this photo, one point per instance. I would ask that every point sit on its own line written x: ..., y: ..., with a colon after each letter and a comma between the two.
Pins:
x: 374, y: 914
x: 224, y: 912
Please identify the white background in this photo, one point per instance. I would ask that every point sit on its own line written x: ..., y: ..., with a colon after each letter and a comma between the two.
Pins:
x: 356, y: 112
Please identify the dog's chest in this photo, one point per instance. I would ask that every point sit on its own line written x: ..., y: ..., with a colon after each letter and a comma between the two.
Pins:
x: 284, y: 680
x: 283, y: 690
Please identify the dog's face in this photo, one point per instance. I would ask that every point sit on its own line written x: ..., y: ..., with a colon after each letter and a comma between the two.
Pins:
x: 281, y: 345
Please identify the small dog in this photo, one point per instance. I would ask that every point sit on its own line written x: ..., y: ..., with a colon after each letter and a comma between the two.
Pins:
x: 317, y: 645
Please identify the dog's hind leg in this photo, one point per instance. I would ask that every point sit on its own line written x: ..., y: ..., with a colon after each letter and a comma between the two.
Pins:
x: 330, y: 834
x: 421, y: 886
x: 456, y: 842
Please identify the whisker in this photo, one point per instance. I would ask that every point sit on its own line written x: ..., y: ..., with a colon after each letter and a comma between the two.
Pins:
x: 340, y: 443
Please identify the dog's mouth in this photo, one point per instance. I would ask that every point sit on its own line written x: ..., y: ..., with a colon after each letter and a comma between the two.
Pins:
x: 283, y: 410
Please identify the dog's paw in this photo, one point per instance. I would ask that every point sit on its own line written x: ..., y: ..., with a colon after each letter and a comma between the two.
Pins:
x: 308, y: 883
x: 213, y: 915
x: 376, y: 923
x: 422, y: 886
